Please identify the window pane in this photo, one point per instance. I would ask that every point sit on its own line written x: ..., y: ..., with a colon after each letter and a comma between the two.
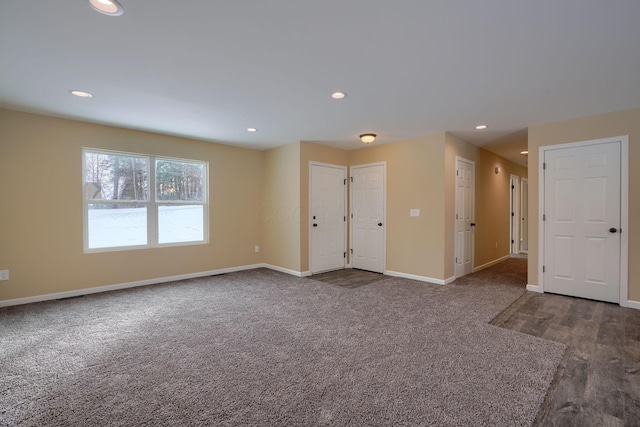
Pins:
x: 118, y: 225
x: 180, y: 181
x: 115, y: 176
x: 180, y: 223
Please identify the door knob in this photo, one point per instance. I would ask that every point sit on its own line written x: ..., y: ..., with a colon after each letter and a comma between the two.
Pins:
x: 379, y: 224
x: 315, y: 225
x: 613, y: 230
x: 473, y: 224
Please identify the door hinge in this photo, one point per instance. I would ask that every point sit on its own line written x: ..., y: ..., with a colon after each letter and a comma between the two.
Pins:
x: 345, y: 181
x: 351, y: 216
x: 513, y: 187
x: 543, y: 269
x: 544, y: 165
x: 456, y: 216
x: 513, y: 214
x: 512, y: 242
x: 456, y: 260
x: 457, y: 173
x: 345, y: 219
x: 351, y: 178
x: 544, y: 217
x: 345, y: 255
x: 351, y: 250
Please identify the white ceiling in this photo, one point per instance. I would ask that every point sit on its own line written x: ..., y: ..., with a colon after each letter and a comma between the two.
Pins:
x: 208, y: 69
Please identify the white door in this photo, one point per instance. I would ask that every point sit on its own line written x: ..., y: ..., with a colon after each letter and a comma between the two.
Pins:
x: 524, y: 216
x: 514, y: 214
x: 465, y: 185
x: 368, y: 217
x: 327, y: 216
x: 582, y: 221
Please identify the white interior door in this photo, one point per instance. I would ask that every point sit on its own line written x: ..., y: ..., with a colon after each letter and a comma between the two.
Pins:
x: 515, y: 214
x: 368, y: 217
x: 524, y: 216
x: 327, y: 216
x: 465, y: 185
x: 582, y: 221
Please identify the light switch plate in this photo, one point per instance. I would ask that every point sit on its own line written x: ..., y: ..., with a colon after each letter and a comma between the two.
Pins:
x: 414, y: 212
x: 4, y: 274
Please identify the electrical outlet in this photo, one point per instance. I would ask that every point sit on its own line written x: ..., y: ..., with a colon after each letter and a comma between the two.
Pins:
x: 4, y: 274
x: 257, y: 248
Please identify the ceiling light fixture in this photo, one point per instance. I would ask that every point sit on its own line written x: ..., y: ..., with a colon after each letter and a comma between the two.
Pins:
x: 80, y: 93
x: 338, y: 95
x: 108, y: 7
x: 481, y: 127
x: 368, y: 138
x: 524, y: 153
x: 252, y: 130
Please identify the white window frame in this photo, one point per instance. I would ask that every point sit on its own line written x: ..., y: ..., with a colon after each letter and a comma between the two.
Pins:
x: 152, y: 203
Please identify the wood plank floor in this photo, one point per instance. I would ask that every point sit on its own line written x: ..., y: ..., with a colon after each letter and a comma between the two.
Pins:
x: 349, y: 278
x: 598, y: 381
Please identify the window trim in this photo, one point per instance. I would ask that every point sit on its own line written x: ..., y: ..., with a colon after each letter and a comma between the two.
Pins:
x: 152, y: 203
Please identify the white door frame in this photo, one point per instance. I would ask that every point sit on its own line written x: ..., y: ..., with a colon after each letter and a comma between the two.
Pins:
x: 514, y: 214
x: 384, y: 204
x: 624, y: 211
x: 309, y: 226
x: 473, y: 216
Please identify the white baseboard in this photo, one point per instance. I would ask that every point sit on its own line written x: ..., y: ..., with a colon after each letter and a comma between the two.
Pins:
x: 631, y: 304
x: 490, y: 263
x: 287, y: 270
x: 107, y: 288
x: 419, y: 278
x: 534, y: 288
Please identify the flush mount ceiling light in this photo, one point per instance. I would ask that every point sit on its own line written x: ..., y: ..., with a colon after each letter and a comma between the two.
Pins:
x: 524, y: 153
x: 252, y: 130
x: 108, y: 7
x: 481, y: 127
x: 338, y: 95
x: 368, y: 138
x: 80, y: 93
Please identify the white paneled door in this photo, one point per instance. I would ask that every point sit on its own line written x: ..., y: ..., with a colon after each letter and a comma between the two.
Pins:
x: 582, y: 220
x: 327, y: 216
x: 368, y: 221
x: 465, y: 184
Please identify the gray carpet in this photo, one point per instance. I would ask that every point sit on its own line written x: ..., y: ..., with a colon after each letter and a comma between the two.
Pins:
x: 264, y: 348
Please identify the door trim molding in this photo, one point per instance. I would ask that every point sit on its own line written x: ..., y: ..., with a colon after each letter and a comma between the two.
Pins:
x: 624, y: 212
x: 329, y: 165
x: 384, y: 202
x: 473, y: 216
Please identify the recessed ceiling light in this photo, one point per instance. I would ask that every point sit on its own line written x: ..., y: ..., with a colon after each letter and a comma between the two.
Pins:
x: 108, y: 7
x: 80, y: 93
x: 481, y: 127
x: 252, y: 130
x: 338, y: 95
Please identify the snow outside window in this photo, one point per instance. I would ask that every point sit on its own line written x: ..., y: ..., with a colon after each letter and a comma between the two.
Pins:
x: 135, y: 201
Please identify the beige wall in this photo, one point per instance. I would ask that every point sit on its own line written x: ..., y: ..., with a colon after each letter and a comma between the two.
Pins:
x: 281, y: 208
x: 41, y: 239
x: 492, y: 206
x: 257, y: 198
x: 588, y: 128
x: 415, y: 171
x: 310, y: 152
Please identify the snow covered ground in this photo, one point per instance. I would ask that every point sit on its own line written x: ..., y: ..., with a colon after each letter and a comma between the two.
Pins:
x: 110, y: 228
